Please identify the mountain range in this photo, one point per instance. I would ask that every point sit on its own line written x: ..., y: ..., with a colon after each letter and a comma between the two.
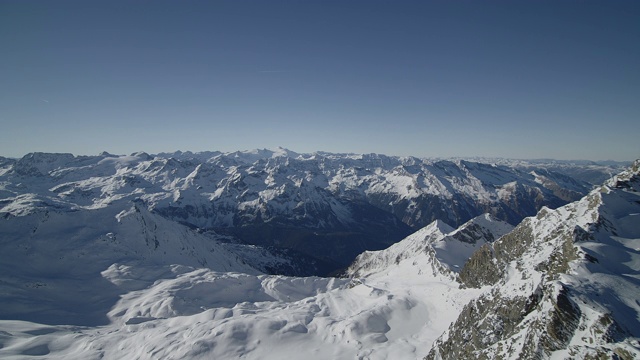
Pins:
x: 326, y: 208
x: 162, y: 257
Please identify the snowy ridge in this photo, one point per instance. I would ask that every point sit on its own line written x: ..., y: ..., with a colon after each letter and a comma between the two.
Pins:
x: 454, y: 250
x: 565, y: 281
x: 437, y: 247
x: 416, y: 247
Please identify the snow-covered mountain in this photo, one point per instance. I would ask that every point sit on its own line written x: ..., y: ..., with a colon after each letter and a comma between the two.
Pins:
x: 330, y: 207
x: 593, y: 172
x: 562, y: 284
x: 437, y: 248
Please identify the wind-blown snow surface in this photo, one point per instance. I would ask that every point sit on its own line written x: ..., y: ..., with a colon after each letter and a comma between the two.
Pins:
x: 199, y: 314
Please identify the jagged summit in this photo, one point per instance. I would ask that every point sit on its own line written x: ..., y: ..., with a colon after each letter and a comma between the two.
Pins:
x: 438, y: 226
x: 458, y: 246
x: 484, y: 226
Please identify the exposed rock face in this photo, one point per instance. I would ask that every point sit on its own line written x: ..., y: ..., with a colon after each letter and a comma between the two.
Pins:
x: 481, y: 269
x: 485, y: 322
x: 562, y: 284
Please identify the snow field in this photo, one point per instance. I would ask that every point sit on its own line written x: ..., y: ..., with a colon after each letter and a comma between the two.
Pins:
x: 198, y: 313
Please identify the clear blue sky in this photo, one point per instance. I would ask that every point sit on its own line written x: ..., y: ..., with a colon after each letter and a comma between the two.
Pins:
x: 523, y: 79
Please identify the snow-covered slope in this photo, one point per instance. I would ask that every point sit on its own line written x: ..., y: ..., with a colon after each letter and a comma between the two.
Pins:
x: 563, y: 284
x: 52, y: 261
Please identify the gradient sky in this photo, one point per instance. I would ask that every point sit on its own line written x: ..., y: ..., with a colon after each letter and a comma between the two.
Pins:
x: 520, y: 79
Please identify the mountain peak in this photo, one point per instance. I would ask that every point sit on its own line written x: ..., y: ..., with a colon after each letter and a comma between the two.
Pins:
x: 440, y: 226
x: 142, y: 155
x: 484, y: 226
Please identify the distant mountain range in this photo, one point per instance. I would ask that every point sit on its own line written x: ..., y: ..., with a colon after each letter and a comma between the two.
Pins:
x: 325, y: 207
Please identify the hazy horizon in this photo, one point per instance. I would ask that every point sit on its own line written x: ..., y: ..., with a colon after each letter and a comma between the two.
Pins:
x: 471, y: 157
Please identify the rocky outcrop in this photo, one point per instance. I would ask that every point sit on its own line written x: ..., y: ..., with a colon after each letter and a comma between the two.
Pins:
x: 496, y: 326
x: 481, y: 269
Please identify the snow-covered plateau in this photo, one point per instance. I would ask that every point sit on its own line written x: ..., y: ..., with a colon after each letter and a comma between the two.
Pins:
x: 161, y: 257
